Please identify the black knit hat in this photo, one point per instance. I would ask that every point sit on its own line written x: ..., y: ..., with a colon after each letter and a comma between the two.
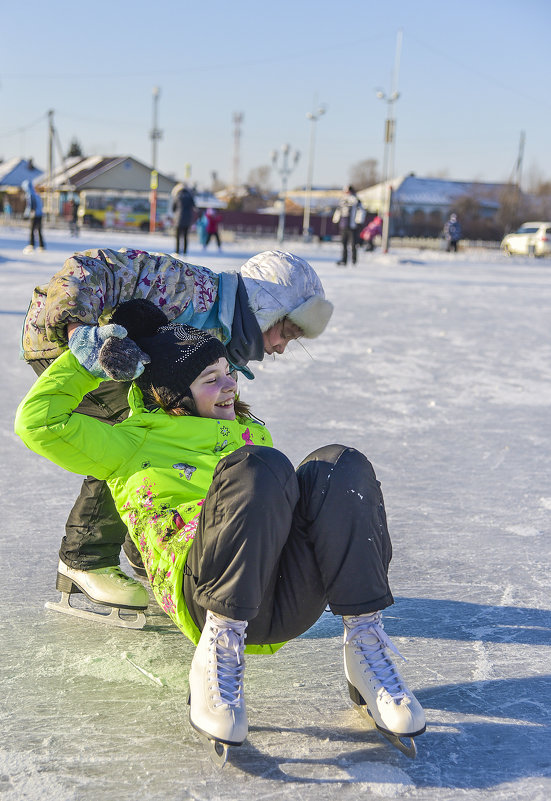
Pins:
x: 179, y: 353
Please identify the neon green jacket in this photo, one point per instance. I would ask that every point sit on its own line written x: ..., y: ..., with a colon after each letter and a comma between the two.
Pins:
x: 158, y: 467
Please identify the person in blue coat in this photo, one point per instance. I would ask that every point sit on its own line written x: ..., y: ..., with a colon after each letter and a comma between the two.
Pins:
x: 33, y: 211
x: 452, y: 233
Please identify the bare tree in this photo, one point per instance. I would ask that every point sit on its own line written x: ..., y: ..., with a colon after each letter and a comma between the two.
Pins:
x: 541, y: 201
x: 534, y: 179
x: 216, y: 184
x: 364, y: 174
x: 509, y: 215
x: 259, y: 178
x: 537, y: 204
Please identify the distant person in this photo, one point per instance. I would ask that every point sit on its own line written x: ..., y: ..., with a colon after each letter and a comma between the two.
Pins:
x: 371, y: 230
x: 109, y: 219
x: 183, y: 206
x: 214, y: 219
x: 7, y: 211
x: 349, y: 215
x: 452, y: 233
x: 201, y: 228
x: 73, y: 222
x: 122, y: 210
x: 33, y: 211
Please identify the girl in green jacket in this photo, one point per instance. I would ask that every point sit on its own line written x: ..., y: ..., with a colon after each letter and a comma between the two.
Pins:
x: 236, y: 543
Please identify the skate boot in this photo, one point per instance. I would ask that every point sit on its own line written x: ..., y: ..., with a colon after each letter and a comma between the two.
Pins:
x: 216, y: 698
x: 134, y: 557
x: 375, y: 684
x: 28, y: 249
x: 107, y: 586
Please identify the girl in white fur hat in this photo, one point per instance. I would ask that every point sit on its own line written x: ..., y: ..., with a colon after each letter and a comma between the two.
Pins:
x: 275, y: 297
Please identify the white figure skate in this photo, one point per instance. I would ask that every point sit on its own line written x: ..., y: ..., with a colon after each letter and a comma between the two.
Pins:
x: 123, y: 598
x: 376, y: 686
x: 217, y: 702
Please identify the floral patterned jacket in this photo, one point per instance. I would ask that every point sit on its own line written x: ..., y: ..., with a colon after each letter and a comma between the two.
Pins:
x: 91, y: 284
x: 158, y: 466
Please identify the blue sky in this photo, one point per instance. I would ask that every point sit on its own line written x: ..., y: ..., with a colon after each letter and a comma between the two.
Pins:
x: 472, y: 76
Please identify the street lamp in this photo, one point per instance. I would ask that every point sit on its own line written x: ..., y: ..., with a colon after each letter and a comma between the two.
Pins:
x: 313, y: 116
x: 284, y: 169
x: 155, y: 135
x: 388, y: 157
x: 390, y: 128
x: 388, y: 163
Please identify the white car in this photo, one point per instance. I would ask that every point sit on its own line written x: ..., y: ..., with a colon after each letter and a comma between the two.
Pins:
x: 531, y: 239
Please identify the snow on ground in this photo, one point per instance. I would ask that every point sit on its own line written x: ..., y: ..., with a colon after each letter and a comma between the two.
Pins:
x: 438, y: 367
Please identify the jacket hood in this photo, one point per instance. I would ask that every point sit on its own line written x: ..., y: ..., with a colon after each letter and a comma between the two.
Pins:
x: 280, y: 284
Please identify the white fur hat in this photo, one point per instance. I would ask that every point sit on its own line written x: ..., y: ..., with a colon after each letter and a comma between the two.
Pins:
x: 282, y: 285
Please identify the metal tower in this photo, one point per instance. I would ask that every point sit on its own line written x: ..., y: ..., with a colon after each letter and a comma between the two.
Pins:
x: 237, y: 120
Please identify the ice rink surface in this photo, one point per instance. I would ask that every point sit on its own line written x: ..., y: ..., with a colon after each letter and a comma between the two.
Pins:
x: 438, y: 367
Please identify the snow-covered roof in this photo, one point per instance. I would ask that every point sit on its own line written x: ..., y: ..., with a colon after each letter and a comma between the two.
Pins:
x: 413, y: 191
x: 78, y: 171
x: 435, y: 191
x: 16, y: 170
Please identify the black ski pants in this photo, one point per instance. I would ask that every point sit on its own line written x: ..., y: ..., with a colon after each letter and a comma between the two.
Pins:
x: 94, y: 531
x: 216, y: 235
x: 348, y: 237
x: 181, y: 233
x: 274, y: 546
x: 36, y: 225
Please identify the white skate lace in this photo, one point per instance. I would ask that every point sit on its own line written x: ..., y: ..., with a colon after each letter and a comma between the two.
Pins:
x: 226, y: 665
x: 374, y: 653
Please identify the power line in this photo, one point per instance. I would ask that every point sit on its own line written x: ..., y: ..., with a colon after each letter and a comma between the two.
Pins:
x: 22, y: 128
x: 468, y: 67
x: 202, y: 68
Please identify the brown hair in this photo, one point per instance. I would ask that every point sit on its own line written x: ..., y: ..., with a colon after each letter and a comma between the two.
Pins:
x: 164, y: 399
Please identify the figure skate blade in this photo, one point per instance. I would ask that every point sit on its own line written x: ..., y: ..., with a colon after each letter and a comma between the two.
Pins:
x: 405, y: 743
x: 113, y: 615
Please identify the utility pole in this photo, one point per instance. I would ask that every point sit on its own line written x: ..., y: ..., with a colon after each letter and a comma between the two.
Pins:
x: 389, y: 139
x: 155, y: 135
x: 517, y: 170
x: 515, y: 181
x: 51, y: 132
x: 284, y: 170
x: 238, y: 118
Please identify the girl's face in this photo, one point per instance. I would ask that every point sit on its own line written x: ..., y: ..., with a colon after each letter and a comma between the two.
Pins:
x: 214, y: 391
x: 279, y: 335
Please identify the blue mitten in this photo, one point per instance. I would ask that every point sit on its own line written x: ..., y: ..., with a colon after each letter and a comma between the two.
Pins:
x: 87, y: 342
